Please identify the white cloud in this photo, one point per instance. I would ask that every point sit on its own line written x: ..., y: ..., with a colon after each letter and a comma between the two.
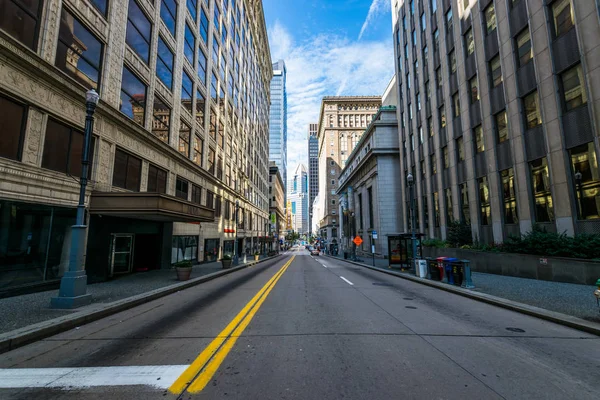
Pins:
x: 326, y: 65
x: 377, y: 6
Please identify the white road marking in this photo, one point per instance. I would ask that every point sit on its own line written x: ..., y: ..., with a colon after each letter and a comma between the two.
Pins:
x: 347, y: 281
x: 158, y: 376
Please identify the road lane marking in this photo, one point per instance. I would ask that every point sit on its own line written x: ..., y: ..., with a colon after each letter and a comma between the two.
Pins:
x: 199, y: 373
x: 347, y: 281
x: 158, y: 376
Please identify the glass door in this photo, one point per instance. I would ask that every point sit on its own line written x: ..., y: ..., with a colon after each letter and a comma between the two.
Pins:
x: 121, y: 254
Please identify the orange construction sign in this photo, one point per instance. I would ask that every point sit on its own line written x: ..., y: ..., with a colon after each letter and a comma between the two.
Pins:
x: 357, y: 241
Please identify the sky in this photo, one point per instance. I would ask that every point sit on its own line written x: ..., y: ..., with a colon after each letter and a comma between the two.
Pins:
x: 331, y: 48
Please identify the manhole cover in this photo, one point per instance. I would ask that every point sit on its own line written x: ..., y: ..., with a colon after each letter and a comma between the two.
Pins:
x: 381, y: 284
x: 408, y: 298
x: 518, y: 330
x: 411, y: 307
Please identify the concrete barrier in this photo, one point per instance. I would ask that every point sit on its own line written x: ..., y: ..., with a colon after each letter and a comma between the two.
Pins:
x: 556, y: 269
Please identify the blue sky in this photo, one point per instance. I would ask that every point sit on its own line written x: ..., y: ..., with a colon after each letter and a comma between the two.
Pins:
x: 331, y: 47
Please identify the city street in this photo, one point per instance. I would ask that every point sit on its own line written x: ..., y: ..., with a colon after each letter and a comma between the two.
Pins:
x: 303, y: 327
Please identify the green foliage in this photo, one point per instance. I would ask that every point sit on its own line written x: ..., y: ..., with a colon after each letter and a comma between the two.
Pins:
x: 227, y: 257
x: 434, y: 242
x: 459, y: 234
x: 183, y: 264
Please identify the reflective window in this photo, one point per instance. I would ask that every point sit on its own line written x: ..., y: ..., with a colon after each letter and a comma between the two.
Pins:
x: 456, y: 106
x: 449, y: 24
x: 157, y: 179
x: 198, y: 153
x: 465, y: 214
x: 161, y: 120
x: 449, y: 211
x: 479, y: 143
x: 127, y: 171
x: 196, y: 194
x: 213, y: 124
x: 496, y: 71
x: 20, y: 19
x: 574, y: 94
x: 509, y: 196
x: 433, y: 162
x: 182, y: 188
x: 501, y: 126
x: 490, y: 18
x: 460, y: 149
x: 484, y: 201
x: 168, y: 13
x: 217, y: 19
x: 211, y: 161
x: 189, y: 44
x: 585, y: 162
x: 215, y: 53
x: 474, y: 87
x: 532, y: 110
x: 164, y: 63
x: 452, y: 61
x: 423, y: 22
x: 200, y: 107
x: 436, y: 209
x: 562, y: 16
x: 184, y: 138
x: 12, y: 120
x: 133, y: 96
x: 524, y: 50
x: 187, y: 90
x: 202, y: 65
x: 203, y: 25
x: 430, y: 126
x: 442, y: 111
x: 469, y: 42
x: 192, y: 6
x: 63, y: 149
x: 446, y: 157
x: 540, y: 181
x: 139, y: 31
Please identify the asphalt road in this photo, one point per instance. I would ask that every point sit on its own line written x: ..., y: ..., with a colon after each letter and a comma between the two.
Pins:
x: 315, y: 328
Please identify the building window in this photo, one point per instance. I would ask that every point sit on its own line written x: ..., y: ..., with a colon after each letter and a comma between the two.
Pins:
x: 211, y: 161
x: 562, y: 16
x: 370, y: 199
x: 202, y: 66
x: 21, y: 20
x: 469, y: 42
x: 187, y: 89
x: 133, y: 97
x: 509, y: 196
x: 490, y: 19
x: 213, y: 87
x: 532, y: 110
x: 203, y: 25
x: 181, y: 188
x: 164, y: 63
x: 496, y: 71
x: 161, y: 121
x: 442, y: 111
x: 184, y: 248
x: 436, y: 209
x: 168, y: 13
x: 540, y: 181
x: 446, y: 156
x: 192, y: 6
x: 474, y: 94
x: 360, y: 211
x: 139, y: 31
x: 449, y: 25
x: 423, y: 22
x: 430, y: 127
x: 524, y: 50
x: 63, y: 147
x: 184, y: 138
x: 479, y: 142
x: 215, y: 52
x: 200, y: 106
x: 13, y: 119
x: 452, y: 61
x: 449, y: 211
x: 189, y: 44
x: 484, y: 201
x: 433, y: 162
x: 501, y: 126
x: 127, y: 171
x: 465, y: 213
x: 572, y: 87
x: 79, y: 52
x: 456, y: 105
x: 585, y: 162
x: 157, y: 179
x: 198, y: 150
x: 460, y: 148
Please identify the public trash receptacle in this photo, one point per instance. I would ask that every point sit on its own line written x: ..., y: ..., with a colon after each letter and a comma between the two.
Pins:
x: 457, y: 272
x: 422, y: 268
x: 441, y: 262
x: 448, y: 264
x: 434, y: 271
x: 345, y: 255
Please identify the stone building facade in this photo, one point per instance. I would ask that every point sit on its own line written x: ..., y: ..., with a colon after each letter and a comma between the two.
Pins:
x: 498, y: 114
x: 313, y: 171
x: 180, y: 134
x: 276, y: 206
x: 342, y: 121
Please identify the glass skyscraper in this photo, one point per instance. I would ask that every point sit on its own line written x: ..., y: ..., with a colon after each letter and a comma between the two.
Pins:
x: 278, y: 119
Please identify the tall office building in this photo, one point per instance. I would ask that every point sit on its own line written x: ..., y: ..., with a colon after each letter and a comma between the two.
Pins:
x: 278, y: 119
x: 180, y: 133
x: 298, y: 199
x: 313, y: 170
x: 342, y: 121
x: 498, y: 114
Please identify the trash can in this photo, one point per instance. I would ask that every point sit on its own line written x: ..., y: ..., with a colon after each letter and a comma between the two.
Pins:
x: 457, y: 272
x: 345, y: 255
x: 441, y: 267
x: 449, y: 263
x: 421, y: 268
x: 435, y: 273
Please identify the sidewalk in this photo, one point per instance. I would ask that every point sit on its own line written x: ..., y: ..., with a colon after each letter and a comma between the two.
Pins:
x: 28, y: 309
x: 566, y: 298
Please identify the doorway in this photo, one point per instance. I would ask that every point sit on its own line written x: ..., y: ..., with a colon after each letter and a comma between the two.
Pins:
x: 121, y: 253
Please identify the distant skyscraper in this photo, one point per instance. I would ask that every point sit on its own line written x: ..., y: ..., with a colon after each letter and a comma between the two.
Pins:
x: 313, y: 169
x: 298, y: 197
x: 278, y: 119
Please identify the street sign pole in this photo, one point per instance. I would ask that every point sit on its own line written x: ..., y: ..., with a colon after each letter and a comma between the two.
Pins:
x: 373, y: 249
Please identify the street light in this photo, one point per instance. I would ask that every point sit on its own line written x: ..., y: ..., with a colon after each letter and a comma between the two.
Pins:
x: 411, y: 181
x: 578, y: 177
x: 73, y: 284
x: 235, y: 244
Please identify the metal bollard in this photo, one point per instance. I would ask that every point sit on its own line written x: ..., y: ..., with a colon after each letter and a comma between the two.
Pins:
x: 467, y: 283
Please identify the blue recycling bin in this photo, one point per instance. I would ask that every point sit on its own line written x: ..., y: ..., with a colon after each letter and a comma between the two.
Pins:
x: 448, y: 262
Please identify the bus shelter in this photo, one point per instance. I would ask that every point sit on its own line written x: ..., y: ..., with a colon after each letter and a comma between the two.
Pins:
x: 400, y: 249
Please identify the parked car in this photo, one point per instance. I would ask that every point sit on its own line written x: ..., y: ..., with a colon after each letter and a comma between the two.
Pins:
x: 314, y: 251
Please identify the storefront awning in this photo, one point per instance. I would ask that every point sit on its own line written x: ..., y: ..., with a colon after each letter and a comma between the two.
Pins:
x: 149, y: 206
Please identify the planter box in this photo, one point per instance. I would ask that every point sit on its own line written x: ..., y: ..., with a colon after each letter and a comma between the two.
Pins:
x: 226, y: 263
x: 556, y: 269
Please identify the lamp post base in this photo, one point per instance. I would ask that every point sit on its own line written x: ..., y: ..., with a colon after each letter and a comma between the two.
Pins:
x: 72, y: 293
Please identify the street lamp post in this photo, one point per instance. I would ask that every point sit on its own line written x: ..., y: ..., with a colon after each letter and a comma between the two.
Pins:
x: 73, y: 284
x: 411, y: 181
x: 578, y: 178
x: 236, y: 259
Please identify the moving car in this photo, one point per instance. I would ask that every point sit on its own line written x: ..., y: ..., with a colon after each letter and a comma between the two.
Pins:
x: 314, y: 251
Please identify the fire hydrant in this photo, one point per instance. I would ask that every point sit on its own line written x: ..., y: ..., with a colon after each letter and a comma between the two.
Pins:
x: 597, y: 294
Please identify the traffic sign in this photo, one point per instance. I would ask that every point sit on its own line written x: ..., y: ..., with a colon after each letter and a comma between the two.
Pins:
x: 374, y: 233
x: 357, y: 241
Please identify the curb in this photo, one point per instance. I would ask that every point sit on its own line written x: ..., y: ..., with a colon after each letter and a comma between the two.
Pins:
x: 552, y: 316
x: 20, y: 337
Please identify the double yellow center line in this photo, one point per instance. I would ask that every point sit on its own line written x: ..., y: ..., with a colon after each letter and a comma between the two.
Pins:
x: 201, y: 371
